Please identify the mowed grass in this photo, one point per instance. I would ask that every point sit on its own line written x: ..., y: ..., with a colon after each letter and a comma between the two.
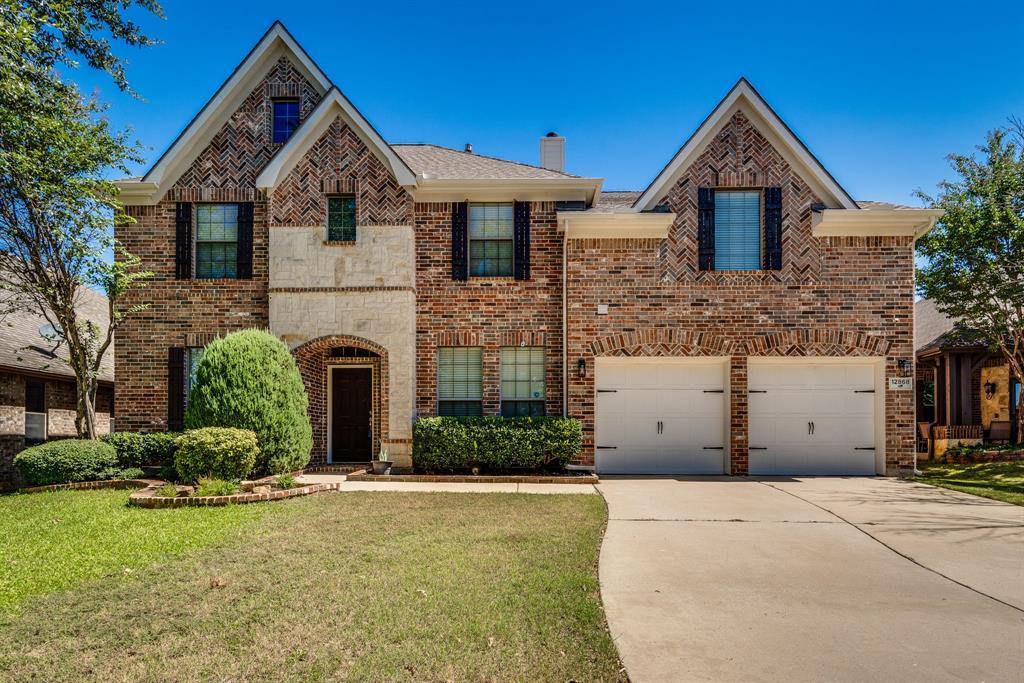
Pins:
x: 352, y: 586
x: 997, y: 480
x: 55, y: 541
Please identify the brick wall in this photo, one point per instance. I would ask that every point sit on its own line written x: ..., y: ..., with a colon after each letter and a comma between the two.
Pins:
x: 486, y: 312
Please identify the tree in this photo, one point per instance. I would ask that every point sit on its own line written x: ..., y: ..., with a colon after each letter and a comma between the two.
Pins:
x: 56, y: 207
x: 973, y: 261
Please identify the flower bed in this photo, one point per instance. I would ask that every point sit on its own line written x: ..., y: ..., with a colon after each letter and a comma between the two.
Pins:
x: 960, y: 455
x: 99, y: 484
x: 149, y: 498
x: 582, y: 478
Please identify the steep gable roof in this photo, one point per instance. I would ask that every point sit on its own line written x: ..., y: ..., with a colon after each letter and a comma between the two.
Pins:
x: 744, y: 97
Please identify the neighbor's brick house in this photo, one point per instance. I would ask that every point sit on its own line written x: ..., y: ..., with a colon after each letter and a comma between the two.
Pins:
x: 412, y: 280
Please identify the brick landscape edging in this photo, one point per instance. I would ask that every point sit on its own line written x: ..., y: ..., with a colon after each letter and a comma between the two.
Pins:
x: 147, y: 498
x: 470, y: 479
x: 87, y: 485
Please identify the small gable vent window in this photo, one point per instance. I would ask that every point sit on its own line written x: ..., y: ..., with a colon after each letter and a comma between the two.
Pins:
x: 491, y: 248
x: 341, y: 218
x: 286, y: 119
x: 737, y: 230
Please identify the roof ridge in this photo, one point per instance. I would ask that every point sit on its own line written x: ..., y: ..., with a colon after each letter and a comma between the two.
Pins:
x: 482, y: 156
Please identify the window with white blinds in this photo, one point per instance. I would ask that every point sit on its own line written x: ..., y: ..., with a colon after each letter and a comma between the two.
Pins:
x: 459, y: 380
x: 522, y: 381
x: 737, y: 230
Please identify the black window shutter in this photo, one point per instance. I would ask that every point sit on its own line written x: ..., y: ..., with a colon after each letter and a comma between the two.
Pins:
x: 772, y: 228
x: 183, y: 241
x: 521, y: 240
x: 460, y: 240
x: 176, y: 388
x: 706, y: 228
x: 244, y: 269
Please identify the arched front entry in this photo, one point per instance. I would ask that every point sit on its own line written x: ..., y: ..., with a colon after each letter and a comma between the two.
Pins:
x: 346, y: 380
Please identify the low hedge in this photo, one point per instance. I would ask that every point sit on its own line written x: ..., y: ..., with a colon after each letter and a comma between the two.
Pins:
x: 495, y: 443
x: 216, y: 453
x: 66, y: 461
x: 136, y: 449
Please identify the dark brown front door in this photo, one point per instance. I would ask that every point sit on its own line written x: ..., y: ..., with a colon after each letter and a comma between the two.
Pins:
x: 351, y: 408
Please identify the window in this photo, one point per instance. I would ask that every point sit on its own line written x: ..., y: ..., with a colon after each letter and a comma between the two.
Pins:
x: 35, y: 411
x: 216, y: 241
x: 341, y: 218
x: 522, y: 381
x: 193, y: 355
x: 491, y: 230
x: 286, y: 119
x: 737, y: 230
x: 458, y: 380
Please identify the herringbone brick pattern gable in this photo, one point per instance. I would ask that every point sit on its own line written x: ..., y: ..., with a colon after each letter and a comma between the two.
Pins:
x: 739, y: 156
x: 244, y: 144
x: 340, y: 162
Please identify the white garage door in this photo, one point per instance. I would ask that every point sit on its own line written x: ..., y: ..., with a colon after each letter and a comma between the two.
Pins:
x: 660, y: 416
x: 811, y: 417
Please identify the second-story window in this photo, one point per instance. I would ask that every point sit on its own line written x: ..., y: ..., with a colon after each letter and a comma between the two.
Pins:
x: 737, y: 230
x: 286, y: 119
x: 491, y: 239
x: 216, y: 241
x: 341, y: 218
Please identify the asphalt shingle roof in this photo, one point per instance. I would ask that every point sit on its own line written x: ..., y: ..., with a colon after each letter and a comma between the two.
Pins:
x: 452, y: 164
x: 22, y: 346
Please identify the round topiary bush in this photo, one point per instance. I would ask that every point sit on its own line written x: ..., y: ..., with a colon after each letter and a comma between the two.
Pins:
x: 65, y: 461
x: 216, y: 452
x: 249, y: 380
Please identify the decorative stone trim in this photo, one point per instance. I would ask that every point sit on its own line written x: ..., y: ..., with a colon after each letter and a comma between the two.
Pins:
x: 841, y: 342
x: 662, y: 339
x: 304, y: 290
x: 92, y: 485
x: 340, y: 243
x: 482, y: 479
x: 147, y: 498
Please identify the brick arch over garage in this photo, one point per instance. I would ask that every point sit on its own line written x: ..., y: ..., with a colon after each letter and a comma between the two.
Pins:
x: 314, y: 361
x: 817, y: 342
x: 657, y: 341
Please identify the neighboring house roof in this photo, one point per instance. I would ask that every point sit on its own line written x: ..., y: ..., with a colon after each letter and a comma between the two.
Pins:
x: 934, y: 331
x: 744, y: 97
x: 22, y: 347
x: 451, y: 164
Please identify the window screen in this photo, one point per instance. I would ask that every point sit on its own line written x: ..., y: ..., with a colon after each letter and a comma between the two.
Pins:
x: 216, y: 241
x: 35, y: 396
x: 193, y: 355
x: 737, y: 230
x: 459, y: 380
x: 522, y: 381
x: 491, y: 229
x: 286, y: 119
x: 341, y: 218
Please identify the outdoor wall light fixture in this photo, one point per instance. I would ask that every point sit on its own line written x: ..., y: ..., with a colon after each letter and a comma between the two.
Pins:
x: 990, y: 390
x: 904, y: 366
x: 581, y: 367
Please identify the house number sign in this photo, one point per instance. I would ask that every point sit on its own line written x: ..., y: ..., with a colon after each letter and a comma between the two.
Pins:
x: 901, y: 383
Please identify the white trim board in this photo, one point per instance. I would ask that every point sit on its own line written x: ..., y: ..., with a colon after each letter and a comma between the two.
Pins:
x: 744, y: 97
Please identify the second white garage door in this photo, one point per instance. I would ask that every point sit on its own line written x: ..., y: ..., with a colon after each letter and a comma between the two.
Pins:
x: 812, y: 416
x: 660, y: 415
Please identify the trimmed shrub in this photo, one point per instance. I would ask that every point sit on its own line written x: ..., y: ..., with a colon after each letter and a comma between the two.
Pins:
x: 249, y: 380
x: 135, y: 449
x: 215, y: 487
x: 65, y: 461
x: 216, y: 452
x: 495, y: 443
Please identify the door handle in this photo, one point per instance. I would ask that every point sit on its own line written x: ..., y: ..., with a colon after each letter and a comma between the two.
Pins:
x: 812, y: 429
x: 808, y: 428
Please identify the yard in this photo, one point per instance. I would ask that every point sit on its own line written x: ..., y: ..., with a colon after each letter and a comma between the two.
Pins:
x: 356, y: 586
x: 997, y: 480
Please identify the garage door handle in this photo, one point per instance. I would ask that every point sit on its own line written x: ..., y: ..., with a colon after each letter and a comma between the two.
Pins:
x: 714, y: 391
x: 863, y: 448
x: 714, y: 448
x: 606, y: 448
x: 607, y: 391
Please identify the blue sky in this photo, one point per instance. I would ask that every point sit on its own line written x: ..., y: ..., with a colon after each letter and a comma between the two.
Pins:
x: 880, y: 92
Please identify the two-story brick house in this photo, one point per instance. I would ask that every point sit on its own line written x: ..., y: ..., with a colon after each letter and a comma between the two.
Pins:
x: 742, y: 314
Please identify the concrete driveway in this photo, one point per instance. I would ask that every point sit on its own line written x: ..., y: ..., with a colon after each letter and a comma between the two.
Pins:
x: 814, y: 579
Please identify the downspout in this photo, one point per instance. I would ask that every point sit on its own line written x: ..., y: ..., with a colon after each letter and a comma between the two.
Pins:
x: 565, y: 322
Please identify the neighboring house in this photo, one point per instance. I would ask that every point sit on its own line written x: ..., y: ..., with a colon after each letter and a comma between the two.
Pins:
x: 742, y: 314
x: 962, y: 385
x: 37, y: 387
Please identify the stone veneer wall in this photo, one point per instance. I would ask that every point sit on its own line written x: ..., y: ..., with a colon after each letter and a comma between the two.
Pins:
x: 60, y: 408
x: 488, y: 312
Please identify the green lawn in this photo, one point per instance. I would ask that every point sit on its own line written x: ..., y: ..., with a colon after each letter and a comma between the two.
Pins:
x: 354, y: 586
x: 997, y: 480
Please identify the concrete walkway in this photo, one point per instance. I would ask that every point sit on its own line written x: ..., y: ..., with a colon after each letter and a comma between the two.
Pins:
x: 859, y: 579
x: 342, y: 484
